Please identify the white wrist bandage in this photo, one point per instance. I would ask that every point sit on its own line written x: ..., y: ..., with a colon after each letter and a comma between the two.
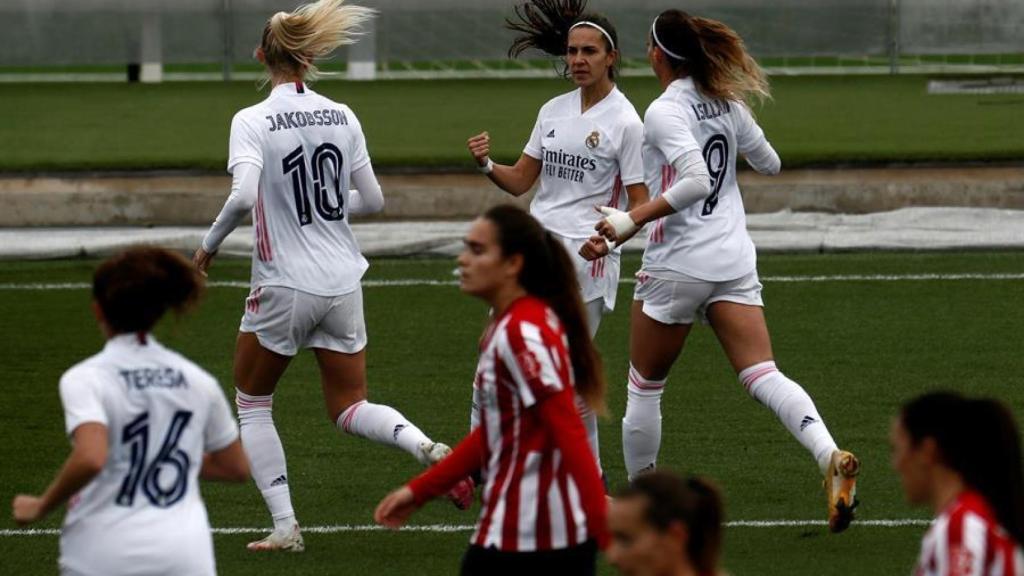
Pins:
x: 619, y: 220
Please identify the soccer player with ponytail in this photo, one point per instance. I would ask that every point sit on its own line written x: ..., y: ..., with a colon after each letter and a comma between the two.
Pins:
x: 543, y: 503
x: 146, y: 424
x: 961, y: 457
x: 700, y: 261
x: 584, y: 149
x: 294, y: 158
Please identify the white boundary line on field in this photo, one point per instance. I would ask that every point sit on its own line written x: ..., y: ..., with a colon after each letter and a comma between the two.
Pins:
x: 43, y: 286
x: 449, y: 528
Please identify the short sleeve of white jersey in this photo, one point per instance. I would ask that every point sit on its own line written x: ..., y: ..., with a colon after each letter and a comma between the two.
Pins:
x: 244, y: 145
x: 533, y: 147
x: 221, y: 429
x: 81, y: 399
x: 631, y: 161
x: 749, y: 135
x: 667, y: 129
x: 360, y: 155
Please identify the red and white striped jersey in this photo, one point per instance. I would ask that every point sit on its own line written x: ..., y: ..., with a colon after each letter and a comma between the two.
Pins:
x: 966, y: 540
x: 531, y: 501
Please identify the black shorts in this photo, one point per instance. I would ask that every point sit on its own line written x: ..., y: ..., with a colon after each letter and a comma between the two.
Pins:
x: 578, y: 560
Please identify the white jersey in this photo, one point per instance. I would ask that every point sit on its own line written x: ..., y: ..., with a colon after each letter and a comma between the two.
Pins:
x: 307, y: 147
x: 587, y: 160
x: 143, y: 513
x: 708, y: 240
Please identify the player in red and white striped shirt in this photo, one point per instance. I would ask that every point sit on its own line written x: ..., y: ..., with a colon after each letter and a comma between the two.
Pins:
x: 543, y: 500
x: 962, y: 457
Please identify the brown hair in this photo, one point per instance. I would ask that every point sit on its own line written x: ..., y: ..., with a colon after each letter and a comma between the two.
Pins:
x: 545, y: 25
x: 136, y: 287
x: 713, y: 54
x: 694, y: 502
x: 293, y: 41
x: 549, y: 274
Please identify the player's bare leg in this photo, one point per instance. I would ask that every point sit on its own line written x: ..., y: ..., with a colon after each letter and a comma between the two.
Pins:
x: 653, y: 348
x: 257, y: 372
x: 343, y: 380
x: 743, y: 333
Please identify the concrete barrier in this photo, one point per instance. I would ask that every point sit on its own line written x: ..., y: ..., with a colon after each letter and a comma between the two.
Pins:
x: 189, y: 200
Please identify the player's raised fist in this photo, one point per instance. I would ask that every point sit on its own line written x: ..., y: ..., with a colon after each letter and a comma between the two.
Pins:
x: 480, y: 147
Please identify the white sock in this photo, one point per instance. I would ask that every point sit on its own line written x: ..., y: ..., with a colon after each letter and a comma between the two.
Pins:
x: 641, y: 427
x: 794, y: 408
x: 383, y: 424
x: 590, y: 425
x: 474, y: 414
x: 263, y: 448
x: 595, y: 310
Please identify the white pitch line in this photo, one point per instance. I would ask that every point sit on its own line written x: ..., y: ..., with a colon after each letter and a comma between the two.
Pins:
x: 452, y: 528
x: 404, y: 282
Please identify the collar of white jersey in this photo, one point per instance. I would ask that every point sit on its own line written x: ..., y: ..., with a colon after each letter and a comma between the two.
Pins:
x: 130, y: 340
x: 290, y: 88
x: 682, y: 84
x: 608, y: 98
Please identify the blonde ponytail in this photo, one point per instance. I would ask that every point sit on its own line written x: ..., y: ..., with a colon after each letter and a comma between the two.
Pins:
x: 293, y: 42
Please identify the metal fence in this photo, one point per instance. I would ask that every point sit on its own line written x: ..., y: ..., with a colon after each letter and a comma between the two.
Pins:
x: 464, y: 37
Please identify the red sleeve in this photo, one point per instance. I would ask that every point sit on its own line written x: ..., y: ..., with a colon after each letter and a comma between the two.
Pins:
x: 559, y: 415
x: 465, y: 459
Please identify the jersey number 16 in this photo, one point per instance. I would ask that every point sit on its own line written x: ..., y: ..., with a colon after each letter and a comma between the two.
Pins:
x: 294, y: 164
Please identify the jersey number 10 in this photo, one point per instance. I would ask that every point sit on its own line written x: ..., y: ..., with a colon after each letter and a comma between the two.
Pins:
x: 170, y: 458
x: 294, y: 164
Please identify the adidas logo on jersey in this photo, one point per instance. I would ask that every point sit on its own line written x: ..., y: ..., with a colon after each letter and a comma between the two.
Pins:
x: 551, y: 134
x: 281, y: 480
x: 398, y: 430
x: 807, y: 421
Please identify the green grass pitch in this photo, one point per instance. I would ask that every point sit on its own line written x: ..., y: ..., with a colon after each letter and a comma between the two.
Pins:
x: 422, y: 124
x: 859, y: 347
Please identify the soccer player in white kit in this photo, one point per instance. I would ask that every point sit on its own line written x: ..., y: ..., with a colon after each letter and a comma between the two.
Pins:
x: 585, y: 149
x: 145, y: 423
x: 700, y: 261
x: 962, y: 458
x: 293, y: 157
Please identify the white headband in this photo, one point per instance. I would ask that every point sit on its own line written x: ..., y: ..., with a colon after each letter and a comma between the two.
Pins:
x: 654, y: 32
x: 601, y: 30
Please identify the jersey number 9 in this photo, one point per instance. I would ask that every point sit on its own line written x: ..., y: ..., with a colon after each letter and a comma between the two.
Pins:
x: 716, y: 156
x: 327, y: 208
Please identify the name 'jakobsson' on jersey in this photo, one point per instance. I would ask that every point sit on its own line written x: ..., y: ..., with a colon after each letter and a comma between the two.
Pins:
x: 301, y: 119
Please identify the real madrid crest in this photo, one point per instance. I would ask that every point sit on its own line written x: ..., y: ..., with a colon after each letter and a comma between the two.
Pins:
x: 594, y: 140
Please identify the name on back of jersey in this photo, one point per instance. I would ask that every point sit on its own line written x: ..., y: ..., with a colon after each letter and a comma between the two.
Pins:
x: 143, y: 378
x: 303, y: 119
x: 710, y: 109
x: 566, y: 166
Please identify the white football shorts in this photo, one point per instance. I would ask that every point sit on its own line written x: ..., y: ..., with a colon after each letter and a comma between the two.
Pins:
x: 285, y: 319
x: 598, y: 279
x: 681, y: 301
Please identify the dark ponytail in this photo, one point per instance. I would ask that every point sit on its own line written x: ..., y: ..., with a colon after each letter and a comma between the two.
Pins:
x: 136, y: 287
x: 712, y: 53
x: 544, y: 25
x: 549, y: 274
x: 693, y: 502
x: 979, y: 439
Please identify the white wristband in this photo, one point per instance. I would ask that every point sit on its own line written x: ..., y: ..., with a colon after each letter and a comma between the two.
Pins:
x: 487, y: 168
x: 619, y: 220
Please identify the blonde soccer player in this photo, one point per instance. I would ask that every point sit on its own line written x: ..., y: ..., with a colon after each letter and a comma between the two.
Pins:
x: 700, y: 262
x: 543, y: 506
x: 584, y: 149
x: 145, y: 425
x: 961, y: 457
x: 293, y: 158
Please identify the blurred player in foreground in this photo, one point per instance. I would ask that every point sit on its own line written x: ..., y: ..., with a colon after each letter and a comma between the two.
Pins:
x: 961, y: 457
x: 293, y: 157
x: 544, y: 508
x: 700, y: 261
x: 663, y: 525
x: 145, y: 424
x: 584, y: 148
